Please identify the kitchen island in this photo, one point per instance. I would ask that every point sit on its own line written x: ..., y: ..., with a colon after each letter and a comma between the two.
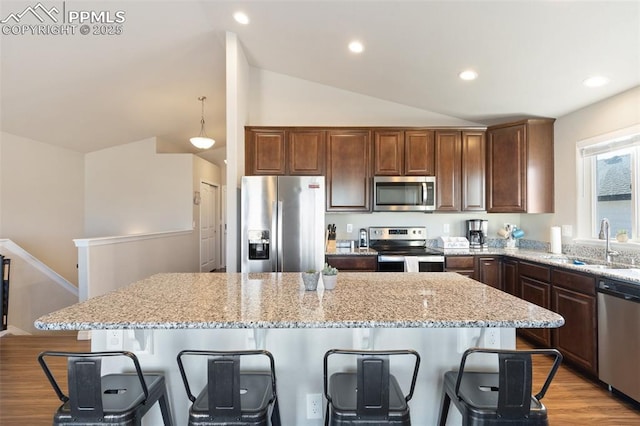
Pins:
x: 437, y: 314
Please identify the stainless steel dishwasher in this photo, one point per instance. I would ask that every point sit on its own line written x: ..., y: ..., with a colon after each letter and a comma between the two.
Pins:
x: 619, y: 336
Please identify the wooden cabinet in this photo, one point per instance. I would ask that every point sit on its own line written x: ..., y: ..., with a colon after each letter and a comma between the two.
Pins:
x: 448, y: 170
x: 574, y: 297
x: 487, y: 271
x: 348, y: 171
x: 535, y: 287
x: 473, y: 171
x: 519, y: 174
x: 388, y: 152
x: 265, y: 152
x: 510, y: 276
x: 461, y: 264
x: 353, y: 263
x: 419, y: 153
x: 460, y: 170
x: 284, y: 151
x: 403, y: 152
x: 306, y: 152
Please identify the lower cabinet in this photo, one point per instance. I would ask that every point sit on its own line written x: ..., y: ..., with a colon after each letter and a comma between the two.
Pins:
x: 535, y: 287
x: 574, y: 297
x: 353, y: 263
x: 487, y: 271
x: 463, y: 265
x: 510, y: 276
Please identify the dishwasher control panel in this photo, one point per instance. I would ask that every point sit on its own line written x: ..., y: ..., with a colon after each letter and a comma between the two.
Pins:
x: 624, y: 290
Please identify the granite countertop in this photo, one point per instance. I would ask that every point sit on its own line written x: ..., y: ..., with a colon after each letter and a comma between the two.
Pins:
x: 278, y: 300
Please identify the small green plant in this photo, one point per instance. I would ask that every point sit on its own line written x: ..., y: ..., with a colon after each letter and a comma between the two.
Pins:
x: 622, y: 232
x: 329, y: 270
x: 311, y: 271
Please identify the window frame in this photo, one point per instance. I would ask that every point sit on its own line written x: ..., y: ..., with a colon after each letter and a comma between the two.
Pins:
x: 588, y: 227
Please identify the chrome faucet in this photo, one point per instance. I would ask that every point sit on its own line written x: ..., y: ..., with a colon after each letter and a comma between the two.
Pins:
x: 605, y: 235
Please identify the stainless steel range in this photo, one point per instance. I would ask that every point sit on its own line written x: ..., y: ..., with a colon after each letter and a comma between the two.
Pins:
x: 404, y: 249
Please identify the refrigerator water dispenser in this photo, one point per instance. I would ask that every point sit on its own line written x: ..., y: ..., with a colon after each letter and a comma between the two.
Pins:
x: 258, y: 244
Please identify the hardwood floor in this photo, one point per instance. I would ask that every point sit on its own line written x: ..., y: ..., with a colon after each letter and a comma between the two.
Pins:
x: 26, y: 398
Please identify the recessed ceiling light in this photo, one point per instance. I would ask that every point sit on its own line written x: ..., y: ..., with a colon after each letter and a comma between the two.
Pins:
x: 241, y: 18
x: 468, y: 75
x: 356, y: 47
x: 596, y: 81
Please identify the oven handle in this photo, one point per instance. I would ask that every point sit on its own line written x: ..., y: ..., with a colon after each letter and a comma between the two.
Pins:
x: 423, y: 259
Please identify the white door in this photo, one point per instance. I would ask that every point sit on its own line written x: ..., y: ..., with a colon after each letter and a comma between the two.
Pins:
x: 223, y: 227
x: 208, y: 227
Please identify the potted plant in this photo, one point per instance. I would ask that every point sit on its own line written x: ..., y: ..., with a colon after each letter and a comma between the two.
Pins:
x: 622, y: 236
x: 329, y: 276
x: 310, y: 279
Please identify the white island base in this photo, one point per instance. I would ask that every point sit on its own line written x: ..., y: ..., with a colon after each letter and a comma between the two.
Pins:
x: 298, y: 354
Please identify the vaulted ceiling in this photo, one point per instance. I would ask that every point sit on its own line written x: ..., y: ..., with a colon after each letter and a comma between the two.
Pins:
x: 88, y: 92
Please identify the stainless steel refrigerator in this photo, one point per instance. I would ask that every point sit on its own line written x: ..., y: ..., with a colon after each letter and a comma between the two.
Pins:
x: 282, y: 223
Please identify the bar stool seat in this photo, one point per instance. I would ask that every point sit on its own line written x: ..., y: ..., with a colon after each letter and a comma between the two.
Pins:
x: 113, y: 399
x: 370, y: 395
x: 501, y: 398
x: 231, y: 397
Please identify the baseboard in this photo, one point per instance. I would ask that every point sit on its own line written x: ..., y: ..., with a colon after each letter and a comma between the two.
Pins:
x: 15, y: 331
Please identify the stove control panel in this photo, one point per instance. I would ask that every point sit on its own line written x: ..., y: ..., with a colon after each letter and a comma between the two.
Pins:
x: 397, y: 233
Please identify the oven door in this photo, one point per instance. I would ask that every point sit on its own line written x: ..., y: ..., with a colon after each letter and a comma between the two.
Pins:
x: 395, y: 263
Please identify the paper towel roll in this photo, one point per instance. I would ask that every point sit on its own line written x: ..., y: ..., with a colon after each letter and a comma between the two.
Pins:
x: 556, y: 240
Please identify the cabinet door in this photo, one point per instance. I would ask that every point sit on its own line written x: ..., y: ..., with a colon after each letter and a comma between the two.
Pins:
x: 265, y: 152
x: 577, y: 339
x: 539, y: 293
x: 419, y: 153
x: 506, y: 170
x: 463, y: 265
x: 448, y: 164
x: 488, y: 271
x: 306, y: 152
x: 353, y: 263
x: 510, y: 277
x: 388, y: 152
x: 348, y: 170
x: 473, y: 171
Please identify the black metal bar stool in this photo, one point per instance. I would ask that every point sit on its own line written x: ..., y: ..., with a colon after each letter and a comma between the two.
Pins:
x: 371, y: 395
x: 502, y: 398
x: 113, y: 399
x: 232, y: 397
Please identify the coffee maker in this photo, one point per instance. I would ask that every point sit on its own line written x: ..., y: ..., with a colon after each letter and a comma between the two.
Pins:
x: 477, y: 231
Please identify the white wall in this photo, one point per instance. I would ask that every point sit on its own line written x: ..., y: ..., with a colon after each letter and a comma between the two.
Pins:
x: 42, y: 198
x: 611, y: 114
x: 132, y: 190
x: 237, y: 117
x: 281, y: 100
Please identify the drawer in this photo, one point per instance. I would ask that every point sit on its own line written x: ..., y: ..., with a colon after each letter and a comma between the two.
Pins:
x: 353, y: 262
x: 538, y: 272
x: 581, y: 283
x: 459, y: 262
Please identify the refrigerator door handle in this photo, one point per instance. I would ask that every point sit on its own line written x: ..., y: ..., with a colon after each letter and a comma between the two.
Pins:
x: 280, y: 240
x: 275, y: 240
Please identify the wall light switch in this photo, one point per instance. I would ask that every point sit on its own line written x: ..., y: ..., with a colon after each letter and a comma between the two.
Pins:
x: 349, y: 228
x: 445, y: 228
x: 567, y: 231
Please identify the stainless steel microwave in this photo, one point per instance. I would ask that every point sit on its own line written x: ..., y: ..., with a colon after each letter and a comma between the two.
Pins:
x: 404, y: 193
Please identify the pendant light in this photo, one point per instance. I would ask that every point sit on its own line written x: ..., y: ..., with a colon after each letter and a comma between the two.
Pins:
x: 202, y: 141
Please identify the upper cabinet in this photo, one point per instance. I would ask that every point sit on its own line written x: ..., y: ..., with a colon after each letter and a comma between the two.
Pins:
x: 403, y: 152
x: 284, y: 152
x: 460, y: 170
x: 265, y: 152
x: 520, y: 167
x: 348, y: 177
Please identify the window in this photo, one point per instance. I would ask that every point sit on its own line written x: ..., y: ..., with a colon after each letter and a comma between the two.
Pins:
x: 610, y: 167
